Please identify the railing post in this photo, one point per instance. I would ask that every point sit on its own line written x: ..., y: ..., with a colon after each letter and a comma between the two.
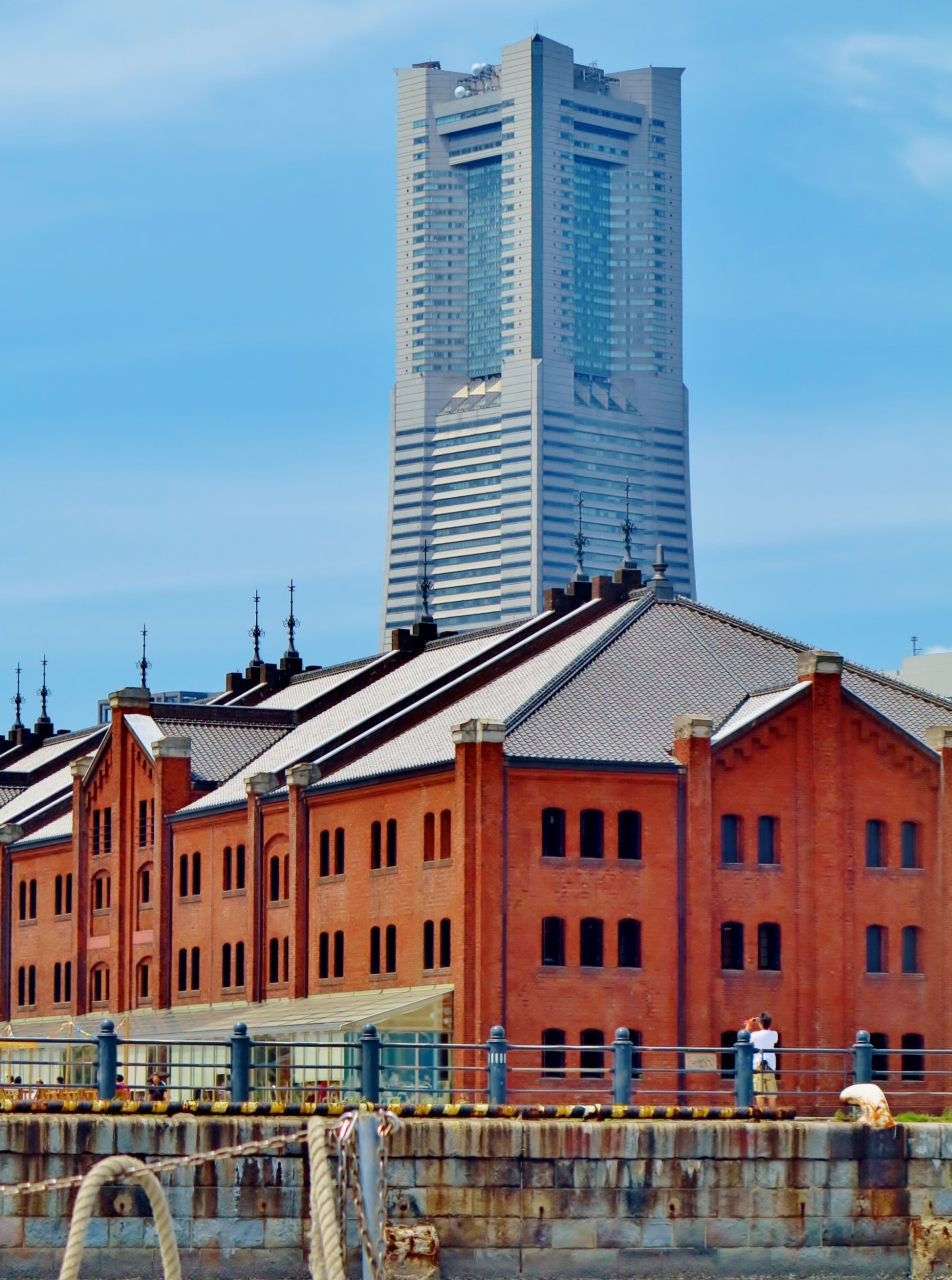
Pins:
x: 370, y: 1064
x: 108, y: 1060
x: 622, y: 1048
x: 863, y: 1059
x: 743, y: 1070
x: 240, y: 1063
x: 496, y: 1052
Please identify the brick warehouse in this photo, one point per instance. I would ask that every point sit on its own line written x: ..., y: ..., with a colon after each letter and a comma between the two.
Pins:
x: 630, y: 810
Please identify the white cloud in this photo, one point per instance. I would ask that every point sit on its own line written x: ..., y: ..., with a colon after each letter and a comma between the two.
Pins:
x: 872, y: 59
x: 928, y: 157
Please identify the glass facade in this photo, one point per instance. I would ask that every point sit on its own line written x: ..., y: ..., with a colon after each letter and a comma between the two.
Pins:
x: 592, y: 185
x: 485, y: 245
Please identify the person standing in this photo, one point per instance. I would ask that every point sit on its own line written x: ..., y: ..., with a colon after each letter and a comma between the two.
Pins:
x: 764, y: 1039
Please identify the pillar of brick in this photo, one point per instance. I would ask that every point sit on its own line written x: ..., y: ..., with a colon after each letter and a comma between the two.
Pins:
x: 172, y: 783
x: 299, y: 778
x: 78, y: 770
x: 256, y: 786
x: 938, y: 958
x: 698, y: 935
x: 826, y: 952
x: 10, y: 832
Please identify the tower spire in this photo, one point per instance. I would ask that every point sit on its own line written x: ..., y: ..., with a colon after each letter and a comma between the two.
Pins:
x: 426, y: 586
x: 256, y: 633
x: 17, y: 702
x: 580, y: 542
x: 143, y: 664
x: 290, y: 622
x: 43, y: 726
x: 627, y: 527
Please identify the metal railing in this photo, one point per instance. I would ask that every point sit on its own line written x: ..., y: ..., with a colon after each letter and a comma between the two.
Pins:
x: 411, y: 1070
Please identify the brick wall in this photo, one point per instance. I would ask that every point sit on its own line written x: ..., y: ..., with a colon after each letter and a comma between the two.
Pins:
x: 508, y: 1198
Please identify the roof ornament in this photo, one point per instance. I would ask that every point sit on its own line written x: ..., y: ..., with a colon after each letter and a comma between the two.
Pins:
x: 580, y: 542
x: 143, y: 664
x: 659, y: 565
x: 18, y: 702
x: 290, y: 622
x: 256, y: 633
x: 44, y: 693
x: 627, y: 527
x: 426, y: 586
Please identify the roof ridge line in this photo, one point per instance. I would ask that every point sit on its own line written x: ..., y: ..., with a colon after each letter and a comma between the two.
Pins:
x: 742, y: 623
x: 899, y: 685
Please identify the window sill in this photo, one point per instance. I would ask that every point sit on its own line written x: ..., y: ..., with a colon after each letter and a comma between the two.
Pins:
x: 436, y: 862
x: 732, y: 973
x: 26, y: 1006
x: 383, y: 979
x: 185, y: 899
x: 145, y: 848
x: 66, y: 915
x: 277, y: 986
x: 98, y: 912
x: 233, y: 991
x: 279, y: 902
x: 231, y: 893
x: 62, y: 1004
x: 338, y: 875
x: 26, y: 923
x: 434, y: 973
x: 383, y: 871
x: 331, y: 982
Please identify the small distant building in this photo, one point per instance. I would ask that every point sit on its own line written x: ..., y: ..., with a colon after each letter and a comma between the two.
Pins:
x: 931, y: 671
x: 178, y: 698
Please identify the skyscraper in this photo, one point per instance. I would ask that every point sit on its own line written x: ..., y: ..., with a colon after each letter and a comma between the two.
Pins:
x: 539, y: 343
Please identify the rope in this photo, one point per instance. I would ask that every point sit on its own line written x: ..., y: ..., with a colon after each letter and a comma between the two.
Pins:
x: 326, y: 1259
x: 117, y: 1167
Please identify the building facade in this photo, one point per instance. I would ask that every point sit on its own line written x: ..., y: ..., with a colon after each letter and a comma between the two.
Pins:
x: 539, y: 332
x: 629, y: 810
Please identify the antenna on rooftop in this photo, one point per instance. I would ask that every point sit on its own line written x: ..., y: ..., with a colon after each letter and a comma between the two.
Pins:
x: 256, y: 633
x: 426, y: 586
x: 627, y: 526
x: 44, y: 693
x: 143, y: 664
x: 580, y: 542
x: 290, y: 622
x: 915, y: 651
x: 18, y: 702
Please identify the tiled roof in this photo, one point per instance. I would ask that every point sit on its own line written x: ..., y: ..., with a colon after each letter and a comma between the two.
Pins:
x: 7, y: 793
x: 751, y: 709
x: 35, y: 797
x: 60, y: 828
x: 219, y: 748
x: 306, y: 688
x: 307, y: 738
x: 56, y: 746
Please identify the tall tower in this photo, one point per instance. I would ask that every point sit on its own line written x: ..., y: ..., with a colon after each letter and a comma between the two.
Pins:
x: 539, y: 332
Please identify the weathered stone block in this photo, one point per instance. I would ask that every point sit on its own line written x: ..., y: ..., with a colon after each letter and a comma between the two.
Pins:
x: 574, y: 1233
x: 880, y: 1231
x: 689, y: 1233
x: 568, y: 1262
x: 242, y: 1233
x: 837, y: 1232
x: 49, y: 1232
x: 726, y: 1233
x: 283, y: 1233
x: 924, y: 1141
x: 207, y: 1232
x: 767, y: 1233
x: 842, y: 1173
x: 942, y: 1203
x: 618, y: 1233
x: 814, y: 1141
x: 461, y: 1232
x: 504, y: 1233
x: 539, y: 1173
x: 126, y: 1233
x: 657, y: 1235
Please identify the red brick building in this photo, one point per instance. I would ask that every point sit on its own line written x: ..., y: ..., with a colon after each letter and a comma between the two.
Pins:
x: 631, y: 810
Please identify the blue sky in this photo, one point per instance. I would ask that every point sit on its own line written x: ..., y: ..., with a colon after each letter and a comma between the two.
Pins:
x: 196, y: 302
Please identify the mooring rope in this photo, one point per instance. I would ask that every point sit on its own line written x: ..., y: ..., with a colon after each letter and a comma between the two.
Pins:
x: 326, y: 1259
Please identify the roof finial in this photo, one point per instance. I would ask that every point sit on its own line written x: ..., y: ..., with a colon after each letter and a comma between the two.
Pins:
x: 627, y: 526
x: 580, y: 542
x: 659, y: 565
x: 44, y: 694
x: 426, y: 586
x: 143, y: 664
x: 18, y: 702
x: 290, y: 622
x: 256, y: 633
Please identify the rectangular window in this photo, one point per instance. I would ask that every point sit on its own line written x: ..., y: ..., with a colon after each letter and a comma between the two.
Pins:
x: 68, y: 980
x: 880, y: 1040
x: 629, y: 944
x: 592, y: 833
x: 390, y: 947
x: 766, y: 840
x: 553, y: 1060
x: 876, y: 948
x: 375, y: 949
x: 226, y: 869
x: 391, y: 842
x: 107, y: 830
x: 58, y: 896
x: 445, y: 940
x: 143, y: 823
x: 728, y: 1040
x: 910, y: 949
x: 590, y: 942
x: 730, y: 839
x: 910, y: 845
x: 429, y: 947
x: 57, y: 983
x: 913, y: 1064
x: 768, y: 946
x: 226, y: 965
x: 339, y: 953
x: 32, y: 899
x: 196, y: 968
x: 69, y: 895
x: 592, y: 1061
x: 97, y: 831
x: 629, y: 835
x: 553, y: 833
x: 239, y: 964
x: 446, y: 834
x: 182, y: 969
x: 553, y: 940
x: 339, y: 853
x: 732, y: 945
x: 875, y: 843
x: 324, y: 854
x: 429, y: 837
x: 240, y: 867
x: 323, y: 956
x: 376, y: 846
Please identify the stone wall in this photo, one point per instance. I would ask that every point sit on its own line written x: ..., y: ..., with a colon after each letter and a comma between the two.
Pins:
x: 510, y: 1197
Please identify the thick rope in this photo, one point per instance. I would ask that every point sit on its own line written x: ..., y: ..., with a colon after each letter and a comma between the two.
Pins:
x: 119, y: 1167
x: 326, y: 1255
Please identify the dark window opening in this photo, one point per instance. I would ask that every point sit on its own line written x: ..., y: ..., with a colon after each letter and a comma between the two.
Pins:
x: 273, y: 960
x: 69, y: 894
x: 57, y: 983
x: 323, y: 956
x: 143, y: 823
x: 274, y: 886
x: 553, y: 833
x: 768, y: 946
x: 553, y: 940
x: 107, y: 830
x: 445, y: 943
x: 728, y: 1040
x: 375, y: 949
x: 629, y: 835
x: 375, y: 846
x: 629, y: 944
x: 909, y: 835
x: 592, y: 833
x: 143, y: 981
x: 226, y: 965
x: 875, y: 843
x: 196, y: 874
x: 182, y: 969
x: 911, y: 960
x: 446, y: 834
x: 339, y: 953
x: 226, y: 869
x: 239, y: 964
x: 880, y: 1040
x: 591, y: 932
x: 732, y: 945
x: 876, y: 948
x: 58, y: 896
x: 429, y: 947
x: 913, y: 1064
x: 183, y: 875
x: 553, y: 1060
x: 240, y: 867
x: 97, y: 831
x: 22, y: 899
x: 592, y: 1061
x: 196, y: 968
x: 730, y: 839
x: 286, y: 959
x: 324, y: 855
x: 390, y: 947
x: 429, y: 837
x: 391, y: 842
x: 766, y: 840
x: 339, y: 851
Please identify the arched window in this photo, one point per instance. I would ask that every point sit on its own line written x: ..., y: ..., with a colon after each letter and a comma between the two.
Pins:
x: 32, y: 899
x: 553, y: 940
x: 875, y: 843
x: 21, y: 986
x: 768, y: 946
x: 58, y: 896
x: 69, y: 894
x: 273, y: 960
x: 732, y: 945
x: 876, y: 948
x: 913, y: 1063
x: 429, y: 948
x: 629, y: 835
x: 767, y: 840
x: 391, y: 842
x: 287, y: 877
x: 731, y: 851
x: 144, y: 895
x: 445, y: 942
x: 183, y: 875
x: 390, y: 947
x: 226, y: 965
x: 240, y: 867
x: 68, y: 981
x: 196, y: 874
x: 339, y: 953
x: 911, y: 960
x: 196, y: 968
x: 553, y: 1060
x: 429, y: 837
x: 591, y: 942
x: 57, y: 983
x: 226, y: 868
x: 446, y: 834
x: 142, y: 979
x: 553, y: 833
x: 376, y: 846
x: 183, y: 969
x: 275, y: 881
x: 22, y: 902
x: 239, y: 964
x: 629, y: 944
x: 592, y: 1061
x: 323, y: 956
x: 324, y: 855
x: 339, y: 851
x: 286, y: 965
x: 909, y: 842
x: 592, y: 833
x: 99, y: 982
x: 101, y: 892
x: 31, y: 984
x: 375, y: 949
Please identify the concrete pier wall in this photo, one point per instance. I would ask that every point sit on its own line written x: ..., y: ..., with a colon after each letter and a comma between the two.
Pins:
x: 510, y: 1198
